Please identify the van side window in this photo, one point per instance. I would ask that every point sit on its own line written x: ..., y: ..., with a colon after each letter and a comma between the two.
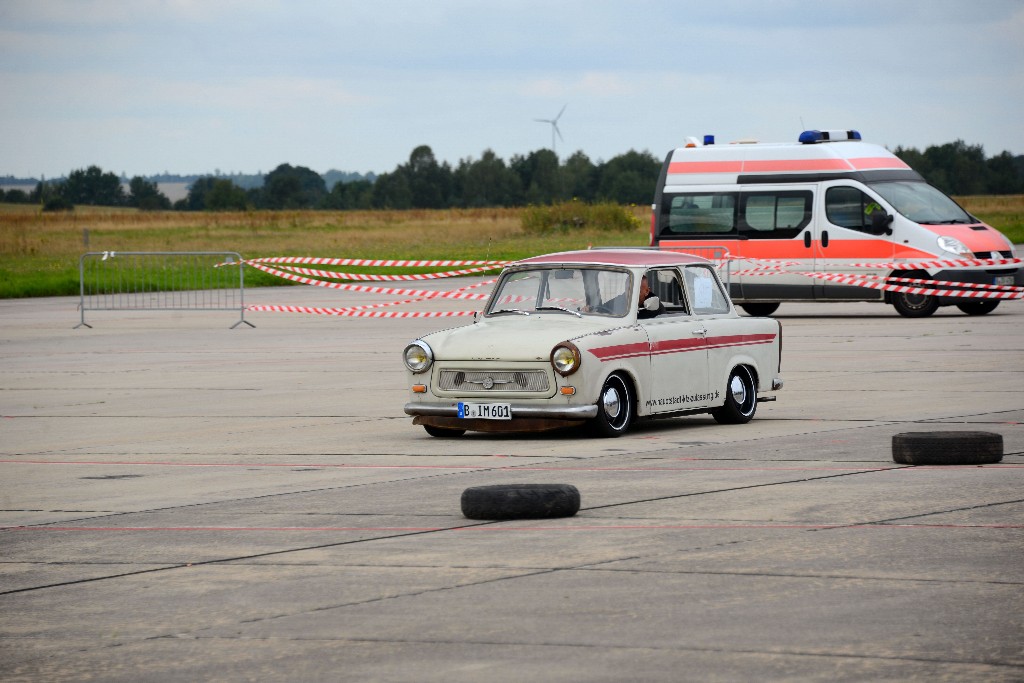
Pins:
x: 774, y: 215
x: 705, y: 294
x: 848, y: 207
x: 699, y: 214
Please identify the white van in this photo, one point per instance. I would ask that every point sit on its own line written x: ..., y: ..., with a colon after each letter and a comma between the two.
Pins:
x: 828, y: 218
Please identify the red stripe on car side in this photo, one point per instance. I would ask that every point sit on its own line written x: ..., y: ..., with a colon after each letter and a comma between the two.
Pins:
x: 639, y: 349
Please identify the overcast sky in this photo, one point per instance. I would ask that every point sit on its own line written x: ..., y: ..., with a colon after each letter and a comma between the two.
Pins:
x: 189, y: 86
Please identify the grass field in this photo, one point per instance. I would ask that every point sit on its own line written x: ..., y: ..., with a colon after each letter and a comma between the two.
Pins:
x: 39, y: 252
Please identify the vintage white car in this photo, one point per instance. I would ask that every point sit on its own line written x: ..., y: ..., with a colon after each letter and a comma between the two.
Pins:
x: 601, y: 337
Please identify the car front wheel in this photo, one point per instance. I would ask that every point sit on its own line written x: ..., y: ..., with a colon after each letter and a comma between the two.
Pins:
x: 614, y: 408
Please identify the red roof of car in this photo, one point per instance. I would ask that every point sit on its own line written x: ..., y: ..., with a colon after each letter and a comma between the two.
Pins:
x: 618, y: 257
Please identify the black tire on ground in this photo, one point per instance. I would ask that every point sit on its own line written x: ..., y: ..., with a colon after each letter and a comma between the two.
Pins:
x: 443, y: 433
x: 740, y: 399
x: 614, y: 408
x: 947, y: 448
x: 760, y: 309
x: 520, y: 501
x: 978, y: 307
x: 914, y: 305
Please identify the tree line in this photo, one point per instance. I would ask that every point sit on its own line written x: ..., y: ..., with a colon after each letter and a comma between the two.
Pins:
x: 424, y: 183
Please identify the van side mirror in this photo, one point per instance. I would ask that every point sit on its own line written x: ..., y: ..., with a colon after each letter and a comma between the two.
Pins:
x: 880, y: 222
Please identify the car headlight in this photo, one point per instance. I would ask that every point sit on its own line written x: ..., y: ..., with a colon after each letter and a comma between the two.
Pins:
x: 954, y: 246
x: 418, y: 356
x: 565, y: 358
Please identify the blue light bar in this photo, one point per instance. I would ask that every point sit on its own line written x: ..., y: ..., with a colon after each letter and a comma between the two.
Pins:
x: 709, y: 139
x: 811, y: 137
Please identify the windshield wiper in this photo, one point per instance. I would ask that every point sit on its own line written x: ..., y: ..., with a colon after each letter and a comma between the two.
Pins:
x: 510, y: 310
x: 559, y: 308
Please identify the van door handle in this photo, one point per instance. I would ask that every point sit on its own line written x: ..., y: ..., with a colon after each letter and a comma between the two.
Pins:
x: 824, y: 238
x: 807, y: 239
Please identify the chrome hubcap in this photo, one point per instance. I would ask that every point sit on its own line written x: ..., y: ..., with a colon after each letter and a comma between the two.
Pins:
x: 738, y: 389
x: 611, y: 403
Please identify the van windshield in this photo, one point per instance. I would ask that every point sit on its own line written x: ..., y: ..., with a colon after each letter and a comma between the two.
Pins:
x: 922, y: 203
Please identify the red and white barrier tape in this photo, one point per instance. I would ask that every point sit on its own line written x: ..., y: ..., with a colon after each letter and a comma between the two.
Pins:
x: 288, y: 271
x: 315, y: 261
x: 967, y: 290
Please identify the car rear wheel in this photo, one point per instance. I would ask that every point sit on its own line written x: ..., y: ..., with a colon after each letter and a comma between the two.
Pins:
x: 614, y: 408
x: 760, y: 309
x: 442, y: 432
x: 740, y: 399
x: 978, y: 307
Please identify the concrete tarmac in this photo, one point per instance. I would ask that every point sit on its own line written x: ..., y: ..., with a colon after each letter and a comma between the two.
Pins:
x: 184, y: 501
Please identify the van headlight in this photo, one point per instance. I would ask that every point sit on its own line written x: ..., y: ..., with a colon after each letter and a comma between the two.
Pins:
x: 954, y: 246
x: 417, y: 356
x: 565, y: 358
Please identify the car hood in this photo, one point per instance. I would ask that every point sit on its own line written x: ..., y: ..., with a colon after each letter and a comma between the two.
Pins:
x: 515, y: 337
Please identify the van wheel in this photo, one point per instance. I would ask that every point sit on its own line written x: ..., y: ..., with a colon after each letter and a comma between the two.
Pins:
x: 614, y: 408
x: 914, y: 305
x: 740, y: 399
x: 760, y: 310
x: 978, y: 307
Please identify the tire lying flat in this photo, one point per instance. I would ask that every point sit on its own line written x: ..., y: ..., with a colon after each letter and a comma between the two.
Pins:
x: 520, y: 501
x: 947, y: 448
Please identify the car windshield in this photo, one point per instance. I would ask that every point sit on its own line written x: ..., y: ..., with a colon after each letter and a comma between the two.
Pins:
x: 562, y: 290
x: 922, y: 203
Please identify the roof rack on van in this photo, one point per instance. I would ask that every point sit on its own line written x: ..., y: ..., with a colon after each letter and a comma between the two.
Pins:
x: 811, y: 137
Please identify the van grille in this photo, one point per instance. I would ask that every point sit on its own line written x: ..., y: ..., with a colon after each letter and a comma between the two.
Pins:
x: 495, y: 380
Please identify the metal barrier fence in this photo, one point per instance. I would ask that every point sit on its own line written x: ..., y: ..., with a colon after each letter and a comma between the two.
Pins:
x: 162, y: 281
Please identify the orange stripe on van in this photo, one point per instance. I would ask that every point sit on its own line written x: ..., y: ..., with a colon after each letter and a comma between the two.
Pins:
x: 869, y: 163
x: 785, y: 165
x: 676, y: 167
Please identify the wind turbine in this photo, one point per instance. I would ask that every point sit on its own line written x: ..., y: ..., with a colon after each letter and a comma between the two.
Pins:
x: 554, y: 128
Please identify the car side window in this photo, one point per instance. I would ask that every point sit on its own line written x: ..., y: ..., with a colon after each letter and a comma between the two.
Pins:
x: 666, y: 284
x: 705, y: 292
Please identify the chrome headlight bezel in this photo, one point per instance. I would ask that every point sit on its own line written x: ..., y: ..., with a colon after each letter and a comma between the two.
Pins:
x: 565, y: 358
x: 418, y: 356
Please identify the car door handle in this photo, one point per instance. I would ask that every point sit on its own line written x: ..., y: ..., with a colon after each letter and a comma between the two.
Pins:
x: 701, y: 332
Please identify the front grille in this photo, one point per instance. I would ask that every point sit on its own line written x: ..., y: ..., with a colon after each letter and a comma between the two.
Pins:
x: 995, y: 255
x: 496, y: 380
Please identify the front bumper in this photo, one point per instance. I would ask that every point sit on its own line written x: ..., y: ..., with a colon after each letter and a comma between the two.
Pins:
x: 519, y: 410
x: 525, y: 418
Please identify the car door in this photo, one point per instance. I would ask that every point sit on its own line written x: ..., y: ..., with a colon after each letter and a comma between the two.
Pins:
x: 679, y: 368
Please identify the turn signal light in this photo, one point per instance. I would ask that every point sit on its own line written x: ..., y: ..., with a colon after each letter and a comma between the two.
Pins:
x: 419, y: 388
x: 567, y: 391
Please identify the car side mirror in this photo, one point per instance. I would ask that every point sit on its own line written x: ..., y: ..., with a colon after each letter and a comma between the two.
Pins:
x: 652, y: 304
x: 880, y: 222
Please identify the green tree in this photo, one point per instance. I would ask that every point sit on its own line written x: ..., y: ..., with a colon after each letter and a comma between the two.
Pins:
x: 392, y: 191
x: 196, y: 199
x: 580, y: 176
x: 429, y: 182
x: 629, y: 178
x: 486, y: 182
x: 540, y: 176
x: 93, y: 187
x: 293, y: 187
x: 224, y: 195
x: 146, y: 195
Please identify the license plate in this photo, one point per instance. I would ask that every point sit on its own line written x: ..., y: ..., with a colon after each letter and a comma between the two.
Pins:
x: 485, y: 411
x: 1004, y: 280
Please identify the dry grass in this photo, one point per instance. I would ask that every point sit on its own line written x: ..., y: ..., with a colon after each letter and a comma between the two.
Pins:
x: 39, y: 252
